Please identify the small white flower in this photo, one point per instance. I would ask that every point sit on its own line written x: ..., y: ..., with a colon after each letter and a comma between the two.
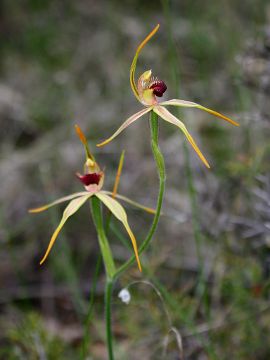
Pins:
x: 125, y: 296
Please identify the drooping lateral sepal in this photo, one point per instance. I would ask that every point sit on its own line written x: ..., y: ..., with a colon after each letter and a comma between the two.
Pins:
x: 70, y: 210
x: 119, y: 212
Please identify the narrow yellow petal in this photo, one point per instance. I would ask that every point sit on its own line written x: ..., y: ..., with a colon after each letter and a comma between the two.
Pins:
x: 119, y: 212
x: 185, y: 103
x: 195, y: 147
x: 167, y: 116
x: 131, y: 202
x: 118, y: 174
x: 215, y: 113
x: 134, y: 62
x: 70, y: 210
x: 126, y: 123
x: 66, y: 198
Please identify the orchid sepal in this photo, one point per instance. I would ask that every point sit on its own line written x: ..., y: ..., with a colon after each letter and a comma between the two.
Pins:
x: 70, y: 210
x: 131, y: 202
x: 119, y: 212
x: 125, y: 124
x: 186, y: 103
x: 58, y: 201
x: 167, y: 116
x: 80, y: 198
x: 134, y: 62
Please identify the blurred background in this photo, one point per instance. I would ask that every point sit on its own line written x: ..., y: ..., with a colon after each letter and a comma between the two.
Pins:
x: 67, y: 62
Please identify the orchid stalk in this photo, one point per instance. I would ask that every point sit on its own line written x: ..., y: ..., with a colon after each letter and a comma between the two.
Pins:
x: 93, y: 179
x: 147, y: 90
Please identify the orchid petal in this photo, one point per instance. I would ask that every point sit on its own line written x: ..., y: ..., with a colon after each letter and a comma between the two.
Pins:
x: 66, y: 198
x: 131, y: 202
x: 119, y: 212
x: 125, y: 124
x: 185, y: 103
x: 134, y: 62
x: 167, y: 116
x: 70, y: 210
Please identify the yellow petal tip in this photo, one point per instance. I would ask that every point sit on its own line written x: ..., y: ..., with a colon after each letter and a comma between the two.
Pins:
x: 102, y: 143
x: 203, y: 159
x: 37, y: 210
x: 231, y: 121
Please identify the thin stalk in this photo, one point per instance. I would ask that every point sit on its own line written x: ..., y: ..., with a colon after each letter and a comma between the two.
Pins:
x: 98, y: 264
x: 90, y: 309
x: 109, y: 267
x: 93, y: 288
x: 153, y: 121
x: 102, y: 238
x: 108, y: 300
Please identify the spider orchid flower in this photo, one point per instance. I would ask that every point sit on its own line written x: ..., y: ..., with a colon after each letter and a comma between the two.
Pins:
x: 93, y: 179
x: 147, y: 90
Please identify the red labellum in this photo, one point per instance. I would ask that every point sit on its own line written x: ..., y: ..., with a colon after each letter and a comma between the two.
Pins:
x: 159, y: 87
x: 90, y: 179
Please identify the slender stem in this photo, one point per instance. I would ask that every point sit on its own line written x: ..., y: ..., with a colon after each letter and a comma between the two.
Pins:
x: 153, y: 121
x: 109, y: 267
x: 90, y: 309
x: 108, y: 299
x: 102, y: 238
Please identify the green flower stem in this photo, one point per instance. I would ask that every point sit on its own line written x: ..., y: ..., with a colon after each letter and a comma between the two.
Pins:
x: 102, y: 238
x: 86, y: 336
x: 109, y: 267
x: 92, y: 296
x: 153, y: 121
x: 108, y: 300
x: 112, y: 273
